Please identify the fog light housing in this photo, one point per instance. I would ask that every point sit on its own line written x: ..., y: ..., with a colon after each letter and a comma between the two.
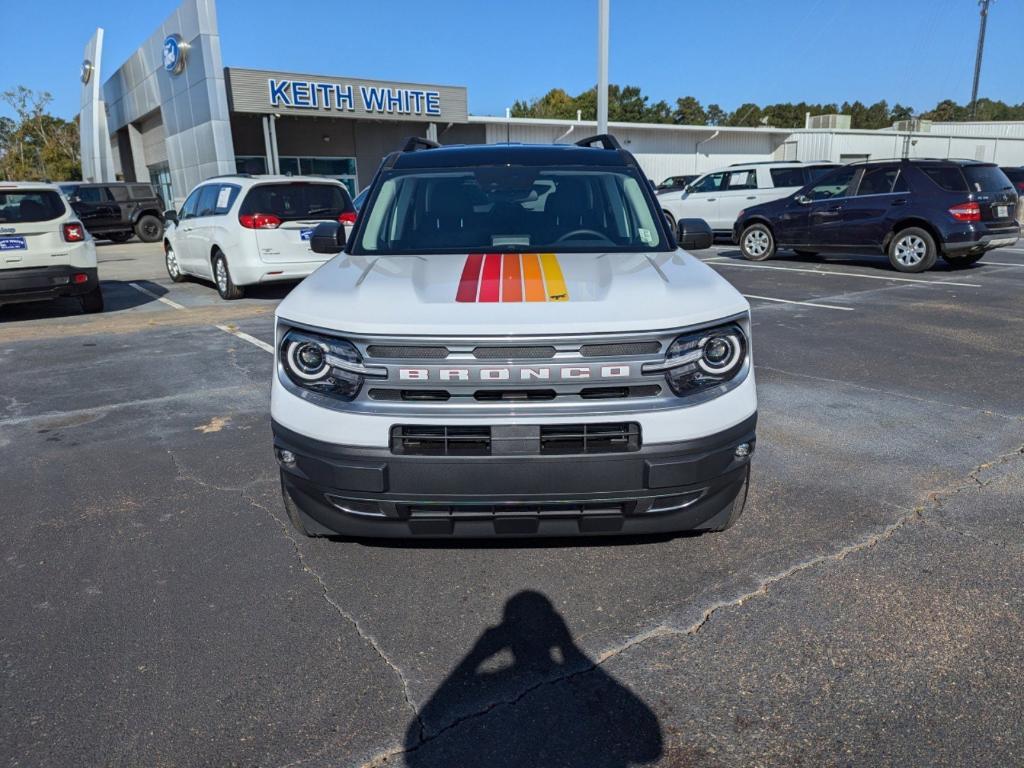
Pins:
x: 742, y: 450
x: 286, y: 457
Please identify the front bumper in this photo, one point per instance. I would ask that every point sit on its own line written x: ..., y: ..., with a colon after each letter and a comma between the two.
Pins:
x: 370, y: 492
x: 41, y: 283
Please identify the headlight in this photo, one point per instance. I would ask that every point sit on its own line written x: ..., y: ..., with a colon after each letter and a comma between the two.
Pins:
x: 698, y: 361
x: 324, y: 364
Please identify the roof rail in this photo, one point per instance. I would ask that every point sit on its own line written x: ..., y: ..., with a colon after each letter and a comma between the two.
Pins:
x: 606, y: 140
x: 232, y: 176
x: 416, y: 143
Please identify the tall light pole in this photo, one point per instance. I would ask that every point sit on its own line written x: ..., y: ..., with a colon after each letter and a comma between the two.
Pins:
x: 977, y: 59
x: 602, y: 66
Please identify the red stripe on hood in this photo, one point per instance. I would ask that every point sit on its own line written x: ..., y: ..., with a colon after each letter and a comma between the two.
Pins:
x: 470, y: 277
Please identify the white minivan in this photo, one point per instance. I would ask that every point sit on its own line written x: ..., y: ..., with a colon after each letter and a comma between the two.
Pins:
x: 246, y: 230
x: 719, y: 196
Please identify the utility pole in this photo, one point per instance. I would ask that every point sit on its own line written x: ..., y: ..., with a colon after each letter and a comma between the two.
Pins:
x: 602, y: 66
x: 977, y: 59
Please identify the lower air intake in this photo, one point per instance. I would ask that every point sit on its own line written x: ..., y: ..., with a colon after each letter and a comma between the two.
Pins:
x: 589, y: 438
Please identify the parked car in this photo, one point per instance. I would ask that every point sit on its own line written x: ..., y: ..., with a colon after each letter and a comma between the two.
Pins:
x: 243, y: 230
x: 1016, y: 176
x: 676, y: 182
x: 718, y: 196
x: 418, y: 392
x: 912, y: 210
x: 118, y: 210
x: 45, y: 251
x: 358, y: 200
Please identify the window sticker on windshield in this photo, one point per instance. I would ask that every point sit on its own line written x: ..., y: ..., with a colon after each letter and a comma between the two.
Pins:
x: 645, y: 236
x: 222, y: 197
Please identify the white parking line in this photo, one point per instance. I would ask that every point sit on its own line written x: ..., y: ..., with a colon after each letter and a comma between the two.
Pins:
x: 726, y: 262
x: 998, y: 264
x: 802, y: 303
x: 246, y: 337
x: 234, y: 332
x: 152, y: 295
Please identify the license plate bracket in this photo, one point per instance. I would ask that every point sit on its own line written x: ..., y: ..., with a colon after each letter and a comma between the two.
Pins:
x: 1002, y: 211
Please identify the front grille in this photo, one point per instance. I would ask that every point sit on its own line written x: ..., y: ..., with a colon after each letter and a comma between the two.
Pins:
x: 410, y: 395
x: 497, y: 511
x: 513, y: 395
x: 513, y: 353
x: 612, y: 393
x: 420, y: 440
x: 620, y: 350
x: 393, y: 352
x: 560, y: 439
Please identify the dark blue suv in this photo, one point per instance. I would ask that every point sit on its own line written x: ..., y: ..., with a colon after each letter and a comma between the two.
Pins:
x: 911, y: 210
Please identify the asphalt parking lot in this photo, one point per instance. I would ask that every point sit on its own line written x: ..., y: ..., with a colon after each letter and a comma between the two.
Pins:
x: 868, y: 609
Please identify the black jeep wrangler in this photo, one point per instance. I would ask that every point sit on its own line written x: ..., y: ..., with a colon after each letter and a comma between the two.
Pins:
x: 117, y: 210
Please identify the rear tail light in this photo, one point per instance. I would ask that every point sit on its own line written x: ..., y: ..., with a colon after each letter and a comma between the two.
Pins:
x: 1020, y: 186
x: 966, y: 212
x: 80, y: 278
x: 259, y: 221
x: 349, y: 217
x: 74, y: 232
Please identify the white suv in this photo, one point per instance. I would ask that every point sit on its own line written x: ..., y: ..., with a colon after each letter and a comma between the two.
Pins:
x: 45, y: 251
x: 244, y: 230
x: 719, y: 196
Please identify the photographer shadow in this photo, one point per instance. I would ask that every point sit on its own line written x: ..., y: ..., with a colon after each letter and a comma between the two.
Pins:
x: 573, y: 714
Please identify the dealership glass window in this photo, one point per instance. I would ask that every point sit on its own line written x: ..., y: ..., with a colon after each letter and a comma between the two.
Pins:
x: 250, y: 164
x: 161, y: 176
x: 341, y: 168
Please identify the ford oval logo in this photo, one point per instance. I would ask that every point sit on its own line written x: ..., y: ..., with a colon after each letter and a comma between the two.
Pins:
x: 175, y: 53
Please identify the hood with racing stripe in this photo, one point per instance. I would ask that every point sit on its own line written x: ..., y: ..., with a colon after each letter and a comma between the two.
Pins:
x: 509, y: 294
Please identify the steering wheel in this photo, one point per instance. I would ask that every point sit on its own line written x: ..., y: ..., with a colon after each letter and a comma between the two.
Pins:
x: 578, y: 232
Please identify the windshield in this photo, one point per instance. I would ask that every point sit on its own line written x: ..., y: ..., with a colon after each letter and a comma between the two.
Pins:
x: 30, y: 205
x: 509, y: 208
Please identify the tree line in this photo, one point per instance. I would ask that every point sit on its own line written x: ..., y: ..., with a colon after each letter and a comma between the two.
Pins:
x: 628, y: 104
x: 35, y: 145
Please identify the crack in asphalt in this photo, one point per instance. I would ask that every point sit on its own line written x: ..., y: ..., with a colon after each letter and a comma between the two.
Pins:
x: 360, y: 630
x: 915, y: 515
x: 183, y: 473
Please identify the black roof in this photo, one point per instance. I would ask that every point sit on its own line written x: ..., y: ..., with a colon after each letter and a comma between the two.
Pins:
x: 962, y: 162
x: 471, y: 155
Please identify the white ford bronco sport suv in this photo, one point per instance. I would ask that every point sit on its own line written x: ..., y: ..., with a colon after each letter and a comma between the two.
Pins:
x: 45, y: 252
x: 511, y: 343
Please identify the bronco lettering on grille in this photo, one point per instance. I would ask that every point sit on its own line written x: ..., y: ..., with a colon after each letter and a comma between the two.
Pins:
x: 515, y: 373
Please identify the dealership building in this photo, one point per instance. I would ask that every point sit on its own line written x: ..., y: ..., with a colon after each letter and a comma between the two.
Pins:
x: 174, y: 115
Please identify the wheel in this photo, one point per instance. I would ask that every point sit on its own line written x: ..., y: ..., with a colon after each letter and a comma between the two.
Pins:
x: 802, y: 252
x: 92, y: 302
x: 673, y: 227
x: 149, y: 228
x: 222, y: 277
x: 912, y: 250
x: 119, y: 237
x: 171, y: 262
x: 962, y: 262
x: 757, y: 243
x: 727, y: 518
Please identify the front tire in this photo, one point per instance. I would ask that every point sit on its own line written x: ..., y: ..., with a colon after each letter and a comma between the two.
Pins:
x: 962, y: 262
x: 171, y: 263
x: 149, y: 228
x: 92, y: 302
x: 912, y: 250
x: 757, y: 243
x: 222, y: 278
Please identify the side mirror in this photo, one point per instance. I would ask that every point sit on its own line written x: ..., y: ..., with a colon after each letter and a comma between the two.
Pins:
x: 694, y: 235
x: 802, y: 199
x: 328, y: 237
x: 171, y: 216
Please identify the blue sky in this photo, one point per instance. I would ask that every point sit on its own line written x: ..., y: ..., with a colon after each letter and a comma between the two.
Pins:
x: 725, y: 51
